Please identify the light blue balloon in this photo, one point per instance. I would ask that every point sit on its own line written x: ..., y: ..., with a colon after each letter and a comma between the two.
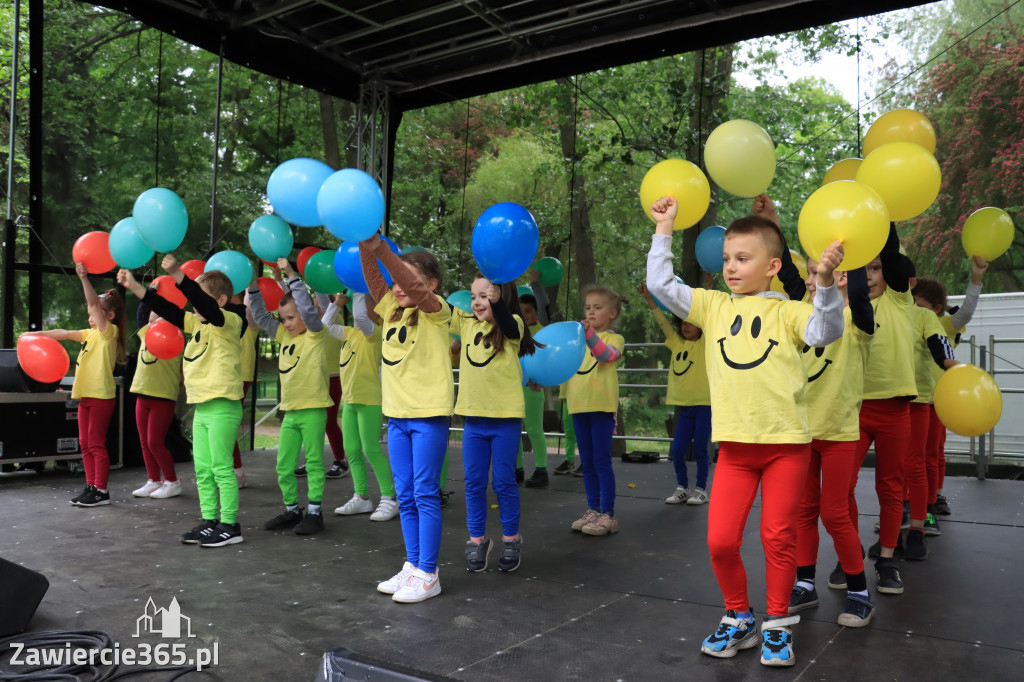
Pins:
x: 270, y: 238
x: 522, y: 366
x: 410, y: 249
x: 565, y: 346
x: 349, y: 269
x: 710, y: 243
x: 126, y: 245
x: 461, y: 299
x: 161, y: 219
x: 505, y: 242
x: 293, y: 187
x: 350, y: 204
x: 662, y: 305
x: 233, y: 264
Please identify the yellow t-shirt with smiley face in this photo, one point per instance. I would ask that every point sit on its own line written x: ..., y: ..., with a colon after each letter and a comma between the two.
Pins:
x: 490, y: 383
x: 416, y: 369
x: 213, y: 359
x: 155, y: 377
x: 687, y: 371
x: 835, y: 383
x: 890, y: 369
x: 300, y: 364
x: 595, y: 385
x: 359, y: 366
x: 94, y: 369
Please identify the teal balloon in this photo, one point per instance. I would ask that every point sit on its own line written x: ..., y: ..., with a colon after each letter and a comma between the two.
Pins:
x: 461, y: 299
x: 233, y: 264
x: 320, y: 275
x: 524, y: 290
x: 708, y: 247
x: 161, y: 219
x: 564, y: 348
x: 662, y: 305
x: 126, y: 245
x: 551, y: 271
x: 410, y: 249
x: 270, y: 238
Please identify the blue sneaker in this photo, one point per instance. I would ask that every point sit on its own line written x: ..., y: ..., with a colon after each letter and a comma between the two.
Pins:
x: 777, y: 641
x: 858, y: 611
x: 732, y: 635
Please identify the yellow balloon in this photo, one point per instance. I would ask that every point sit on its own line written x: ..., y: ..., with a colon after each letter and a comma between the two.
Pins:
x: 848, y: 211
x: 842, y: 170
x: 988, y: 232
x: 967, y: 400
x: 740, y: 158
x: 900, y: 125
x: 684, y: 182
x: 905, y: 175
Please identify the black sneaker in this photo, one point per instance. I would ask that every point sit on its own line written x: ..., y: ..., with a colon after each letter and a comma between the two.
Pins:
x: 311, y: 523
x: 301, y: 471
x: 220, y: 535
x: 511, y: 554
x: 85, y: 491
x: 874, y: 552
x: 564, y: 469
x: 444, y: 498
x: 837, y: 578
x: 931, y: 526
x: 857, y: 612
x: 339, y: 469
x: 802, y: 599
x: 942, y: 506
x: 285, y: 520
x: 578, y: 471
x: 476, y: 555
x: 539, y: 479
x: 193, y: 536
x: 915, y: 549
x: 94, y: 498
x: 887, y: 577
x: 520, y: 475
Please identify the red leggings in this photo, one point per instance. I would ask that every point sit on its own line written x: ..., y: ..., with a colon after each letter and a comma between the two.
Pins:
x: 93, y: 420
x: 333, y: 430
x: 886, y: 422
x: 780, y: 471
x: 935, y: 454
x: 153, y: 416
x: 825, y: 494
x: 237, y: 454
x: 915, y: 469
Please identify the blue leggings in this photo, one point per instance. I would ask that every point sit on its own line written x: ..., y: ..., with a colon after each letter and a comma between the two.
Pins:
x: 694, y: 424
x: 416, y: 448
x: 490, y: 442
x: 594, y: 432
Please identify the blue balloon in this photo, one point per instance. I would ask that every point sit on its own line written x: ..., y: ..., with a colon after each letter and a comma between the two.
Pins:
x: 710, y: 243
x: 522, y: 366
x: 565, y: 346
x: 461, y: 299
x: 270, y: 238
x: 662, y: 305
x: 293, y: 187
x: 161, y: 219
x: 126, y: 245
x: 505, y: 242
x: 349, y: 269
x: 233, y: 264
x: 350, y: 204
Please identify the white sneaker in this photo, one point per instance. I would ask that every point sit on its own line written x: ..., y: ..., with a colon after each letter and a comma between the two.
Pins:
x: 386, y: 510
x: 168, y: 489
x: 698, y: 496
x: 356, y: 505
x: 418, y: 587
x: 395, y: 582
x: 147, y: 490
x: 679, y: 496
x: 240, y: 475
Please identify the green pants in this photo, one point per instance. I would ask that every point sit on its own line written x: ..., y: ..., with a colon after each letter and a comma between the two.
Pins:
x: 360, y: 427
x: 214, y: 429
x: 302, y: 428
x: 533, y: 424
x: 570, y: 433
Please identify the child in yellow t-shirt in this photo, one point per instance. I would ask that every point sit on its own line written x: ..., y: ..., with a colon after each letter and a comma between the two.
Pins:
x: 103, y: 346
x: 304, y: 398
x: 759, y: 414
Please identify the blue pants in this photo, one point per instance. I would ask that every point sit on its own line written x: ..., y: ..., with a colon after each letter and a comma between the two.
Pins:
x: 489, y: 442
x: 594, y: 432
x: 694, y: 424
x: 416, y: 448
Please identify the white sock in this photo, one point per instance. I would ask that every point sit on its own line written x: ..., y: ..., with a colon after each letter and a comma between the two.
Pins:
x: 291, y: 507
x: 805, y: 584
x: 313, y: 509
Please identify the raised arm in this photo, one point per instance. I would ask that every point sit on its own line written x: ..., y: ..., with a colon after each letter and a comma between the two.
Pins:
x: 151, y: 299
x: 663, y: 322
x: 502, y: 315
x: 861, y: 312
x: 826, y: 323
x: 307, y: 311
x: 406, y: 275
x: 661, y: 281
x: 541, y: 294
x: 60, y: 334
x: 258, y: 308
x: 361, y: 314
x: 330, y: 315
x: 894, y: 268
x: 965, y: 312
x: 601, y: 351
x: 92, y: 299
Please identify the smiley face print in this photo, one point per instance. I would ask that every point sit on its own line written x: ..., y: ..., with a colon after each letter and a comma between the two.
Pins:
x: 754, y: 331
x: 681, y: 360
x: 288, y: 357
x: 818, y: 352
x: 197, y: 339
x: 398, y: 342
x: 478, y: 342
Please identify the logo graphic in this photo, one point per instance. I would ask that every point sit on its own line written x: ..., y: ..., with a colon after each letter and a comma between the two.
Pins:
x: 164, y: 622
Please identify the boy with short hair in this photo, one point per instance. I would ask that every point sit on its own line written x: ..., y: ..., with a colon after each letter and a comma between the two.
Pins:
x: 758, y: 412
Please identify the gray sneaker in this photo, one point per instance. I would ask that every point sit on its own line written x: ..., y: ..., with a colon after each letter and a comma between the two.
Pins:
x: 511, y: 554
x: 476, y: 555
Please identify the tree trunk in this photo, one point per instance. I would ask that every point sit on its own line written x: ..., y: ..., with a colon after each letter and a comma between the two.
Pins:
x: 329, y: 125
x: 580, y: 242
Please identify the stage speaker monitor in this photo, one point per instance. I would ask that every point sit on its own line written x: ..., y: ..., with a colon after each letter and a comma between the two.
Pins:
x: 14, y: 380
x: 344, y: 665
x: 21, y: 590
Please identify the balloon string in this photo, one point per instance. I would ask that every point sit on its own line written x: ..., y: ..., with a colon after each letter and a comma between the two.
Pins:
x: 989, y: 352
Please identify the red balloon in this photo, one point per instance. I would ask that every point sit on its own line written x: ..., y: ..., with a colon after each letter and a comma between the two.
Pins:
x: 271, y: 291
x: 93, y: 251
x: 193, y: 268
x: 164, y: 340
x: 167, y: 288
x: 304, y: 257
x: 42, y: 358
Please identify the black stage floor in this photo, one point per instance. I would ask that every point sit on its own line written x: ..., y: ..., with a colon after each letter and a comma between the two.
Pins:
x: 633, y: 606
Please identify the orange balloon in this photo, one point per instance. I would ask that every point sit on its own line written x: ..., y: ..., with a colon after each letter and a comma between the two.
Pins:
x: 900, y: 125
x: 193, y: 268
x: 304, y: 257
x: 93, y: 251
x: 271, y: 292
x: 42, y: 358
x: 164, y: 340
x: 166, y: 287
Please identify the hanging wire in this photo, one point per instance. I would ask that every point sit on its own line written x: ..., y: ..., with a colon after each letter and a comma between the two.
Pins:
x: 465, y: 183
x: 277, y: 138
x: 859, y: 137
x: 572, y: 194
x: 216, y: 148
x: 159, y: 91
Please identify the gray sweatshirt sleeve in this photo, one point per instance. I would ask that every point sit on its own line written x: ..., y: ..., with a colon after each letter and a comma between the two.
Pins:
x: 661, y: 282
x: 330, y: 315
x: 305, y: 305
x: 361, y: 315
x: 826, y: 322
x: 541, y: 294
x: 263, y: 319
x: 963, y: 316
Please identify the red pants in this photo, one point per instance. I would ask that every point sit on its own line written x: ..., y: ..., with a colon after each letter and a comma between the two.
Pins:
x: 825, y: 494
x: 153, y: 416
x: 886, y: 422
x: 333, y: 430
x: 915, y: 469
x: 93, y: 420
x: 780, y: 471
x: 237, y: 454
x: 935, y: 454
